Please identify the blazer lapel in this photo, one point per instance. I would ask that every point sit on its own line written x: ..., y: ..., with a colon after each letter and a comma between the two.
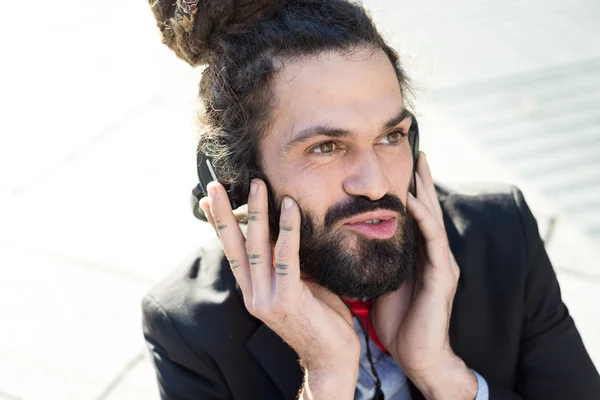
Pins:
x: 281, y: 363
x: 278, y: 359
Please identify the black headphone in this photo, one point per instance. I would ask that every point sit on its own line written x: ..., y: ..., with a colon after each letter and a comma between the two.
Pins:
x: 238, y: 194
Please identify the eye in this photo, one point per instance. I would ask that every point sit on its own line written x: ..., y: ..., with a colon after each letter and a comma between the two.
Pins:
x: 393, y: 137
x: 326, y: 147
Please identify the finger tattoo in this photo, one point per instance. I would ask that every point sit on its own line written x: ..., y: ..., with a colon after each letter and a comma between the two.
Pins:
x: 253, y: 215
x: 234, y: 264
x: 219, y: 225
x: 281, y: 269
x: 254, y: 257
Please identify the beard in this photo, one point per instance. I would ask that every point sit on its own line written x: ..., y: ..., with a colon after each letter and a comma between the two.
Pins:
x: 347, y: 263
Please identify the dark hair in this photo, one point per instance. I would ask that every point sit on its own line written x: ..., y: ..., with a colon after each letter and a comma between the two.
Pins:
x: 244, y: 43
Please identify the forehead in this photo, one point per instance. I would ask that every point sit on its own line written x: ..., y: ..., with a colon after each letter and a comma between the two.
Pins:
x: 357, y: 91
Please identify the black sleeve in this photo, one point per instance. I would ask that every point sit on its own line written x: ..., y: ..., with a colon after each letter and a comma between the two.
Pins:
x: 182, y: 373
x: 553, y: 362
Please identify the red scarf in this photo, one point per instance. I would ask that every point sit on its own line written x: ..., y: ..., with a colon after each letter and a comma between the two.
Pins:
x: 361, y: 309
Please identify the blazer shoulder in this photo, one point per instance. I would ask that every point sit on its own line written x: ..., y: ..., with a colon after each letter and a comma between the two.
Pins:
x: 489, y: 222
x: 198, y: 306
x: 501, y: 204
x: 487, y: 197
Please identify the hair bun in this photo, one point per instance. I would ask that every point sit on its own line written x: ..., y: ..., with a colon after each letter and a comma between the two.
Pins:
x: 190, y: 27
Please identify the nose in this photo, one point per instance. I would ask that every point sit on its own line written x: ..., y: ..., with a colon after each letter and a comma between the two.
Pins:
x: 367, y: 177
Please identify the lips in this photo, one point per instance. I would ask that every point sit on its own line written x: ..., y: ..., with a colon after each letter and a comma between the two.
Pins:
x: 374, y: 225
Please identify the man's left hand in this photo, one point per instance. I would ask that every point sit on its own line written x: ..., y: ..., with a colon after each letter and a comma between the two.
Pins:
x: 413, y: 322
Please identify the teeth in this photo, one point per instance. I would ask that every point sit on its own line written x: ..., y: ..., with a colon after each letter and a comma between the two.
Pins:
x: 373, y: 221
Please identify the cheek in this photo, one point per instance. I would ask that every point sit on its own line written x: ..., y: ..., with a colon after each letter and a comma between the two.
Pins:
x: 314, y: 189
x: 399, y: 172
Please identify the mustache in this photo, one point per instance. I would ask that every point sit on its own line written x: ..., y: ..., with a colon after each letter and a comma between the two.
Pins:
x: 360, y: 204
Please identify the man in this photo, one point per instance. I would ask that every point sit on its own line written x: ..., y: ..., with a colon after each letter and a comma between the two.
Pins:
x: 344, y: 284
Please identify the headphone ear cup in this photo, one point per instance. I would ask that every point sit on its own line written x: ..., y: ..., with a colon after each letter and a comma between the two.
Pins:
x: 413, y: 137
x: 238, y: 193
x: 195, y: 197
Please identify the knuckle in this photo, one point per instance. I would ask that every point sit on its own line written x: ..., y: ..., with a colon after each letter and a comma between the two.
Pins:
x: 260, y: 309
x: 248, y: 304
x: 254, y: 259
x: 454, y: 265
x: 283, y: 252
x: 254, y: 215
x: 234, y: 262
x: 452, y: 282
x: 286, y: 224
x: 456, y: 272
x: 220, y: 226
x: 275, y: 312
x: 284, y: 248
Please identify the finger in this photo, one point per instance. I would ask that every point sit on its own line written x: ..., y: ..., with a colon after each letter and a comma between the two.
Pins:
x: 205, y: 206
x: 231, y: 237
x: 287, y: 264
x: 419, y: 273
x: 258, y: 244
x: 434, y: 236
x: 434, y: 207
x: 434, y: 231
x: 423, y: 195
x: 454, y: 264
x: 431, y: 203
x: 425, y: 175
x: 435, y: 250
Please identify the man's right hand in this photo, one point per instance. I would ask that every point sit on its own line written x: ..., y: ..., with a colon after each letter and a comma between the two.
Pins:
x: 312, y: 320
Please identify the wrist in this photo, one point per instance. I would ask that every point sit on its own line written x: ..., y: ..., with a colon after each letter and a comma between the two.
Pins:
x: 330, y: 383
x: 451, y: 380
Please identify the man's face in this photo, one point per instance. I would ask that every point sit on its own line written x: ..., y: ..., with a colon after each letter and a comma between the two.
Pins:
x: 338, y: 145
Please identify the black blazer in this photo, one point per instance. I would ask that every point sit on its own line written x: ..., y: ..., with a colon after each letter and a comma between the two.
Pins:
x: 508, y: 320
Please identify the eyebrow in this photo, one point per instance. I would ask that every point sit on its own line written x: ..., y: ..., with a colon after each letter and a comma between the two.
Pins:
x: 324, y: 130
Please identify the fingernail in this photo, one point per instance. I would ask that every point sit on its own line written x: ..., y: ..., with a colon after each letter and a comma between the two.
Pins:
x: 211, y: 191
x: 411, y: 197
x: 253, y: 187
x: 287, y: 203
